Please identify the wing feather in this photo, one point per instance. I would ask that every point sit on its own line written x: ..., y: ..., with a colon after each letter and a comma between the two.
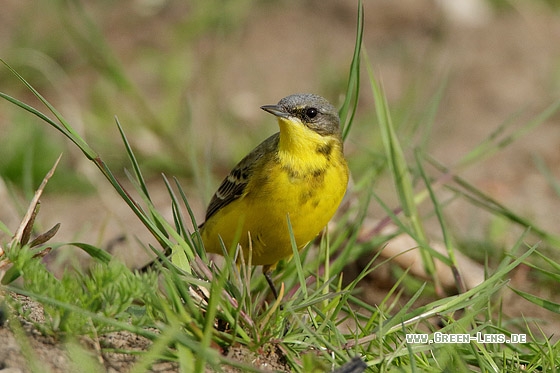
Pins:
x: 234, y: 185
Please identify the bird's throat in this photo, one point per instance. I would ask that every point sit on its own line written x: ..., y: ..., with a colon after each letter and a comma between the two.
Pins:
x: 301, y: 148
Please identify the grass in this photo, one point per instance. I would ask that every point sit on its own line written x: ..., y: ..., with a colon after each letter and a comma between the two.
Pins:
x: 193, y: 310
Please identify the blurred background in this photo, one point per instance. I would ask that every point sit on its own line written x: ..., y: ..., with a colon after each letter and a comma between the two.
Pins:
x: 186, y: 79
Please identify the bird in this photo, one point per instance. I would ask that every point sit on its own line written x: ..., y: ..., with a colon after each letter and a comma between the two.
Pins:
x: 297, y: 176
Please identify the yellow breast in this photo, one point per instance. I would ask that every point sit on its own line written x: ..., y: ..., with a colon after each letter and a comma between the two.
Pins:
x: 304, y: 180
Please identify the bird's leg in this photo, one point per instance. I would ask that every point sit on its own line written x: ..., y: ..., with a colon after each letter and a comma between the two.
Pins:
x: 267, y: 272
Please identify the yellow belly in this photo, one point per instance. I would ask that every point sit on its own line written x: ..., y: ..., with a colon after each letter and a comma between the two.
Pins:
x: 271, y: 197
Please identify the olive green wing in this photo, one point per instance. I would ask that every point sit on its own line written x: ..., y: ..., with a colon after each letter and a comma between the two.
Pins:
x: 234, y: 185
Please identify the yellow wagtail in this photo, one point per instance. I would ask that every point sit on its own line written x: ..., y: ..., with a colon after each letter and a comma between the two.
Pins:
x: 298, y: 174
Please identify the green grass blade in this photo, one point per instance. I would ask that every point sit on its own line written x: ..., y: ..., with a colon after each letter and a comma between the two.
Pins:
x: 427, y: 120
x: 407, y: 230
x: 441, y: 219
x: 545, y: 171
x: 353, y: 88
x: 70, y: 133
x: 479, y: 198
x: 93, y: 251
x: 552, y: 263
x: 177, y: 215
x: 495, y: 142
x: 214, y: 302
x: 65, y: 127
x: 198, y: 246
x: 541, y: 302
x: 394, y: 153
x: 133, y: 161
x: 12, y: 274
x: 400, y: 173
x: 297, y: 260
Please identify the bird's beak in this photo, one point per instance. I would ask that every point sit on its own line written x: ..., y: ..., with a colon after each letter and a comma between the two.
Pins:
x: 276, y: 110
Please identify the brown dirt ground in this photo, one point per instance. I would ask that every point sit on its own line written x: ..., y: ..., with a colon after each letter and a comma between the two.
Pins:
x: 499, y: 63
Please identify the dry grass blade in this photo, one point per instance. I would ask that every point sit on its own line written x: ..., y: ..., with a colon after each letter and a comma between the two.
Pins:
x: 23, y: 233
x: 28, y: 228
x: 28, y: 219
x: 42, y: 238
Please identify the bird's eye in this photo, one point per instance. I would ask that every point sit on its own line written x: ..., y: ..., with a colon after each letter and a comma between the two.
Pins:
x: 311, y: 112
